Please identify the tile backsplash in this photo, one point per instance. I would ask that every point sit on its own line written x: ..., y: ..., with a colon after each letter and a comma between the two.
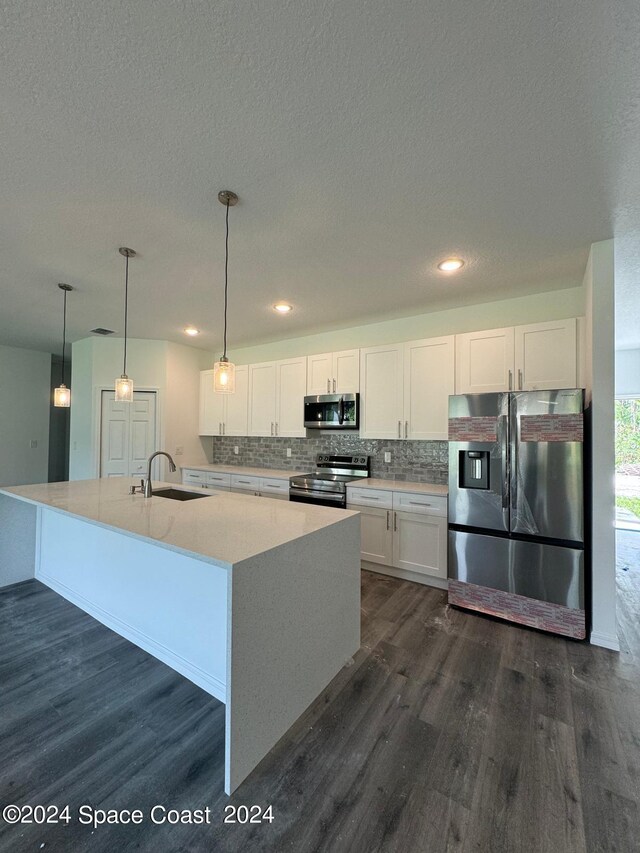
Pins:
x: 419, y: 461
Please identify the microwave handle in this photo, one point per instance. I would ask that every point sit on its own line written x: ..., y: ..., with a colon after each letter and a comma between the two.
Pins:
x: 341, y: 411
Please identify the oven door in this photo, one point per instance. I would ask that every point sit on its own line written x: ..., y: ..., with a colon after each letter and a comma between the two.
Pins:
x: 320, y: 498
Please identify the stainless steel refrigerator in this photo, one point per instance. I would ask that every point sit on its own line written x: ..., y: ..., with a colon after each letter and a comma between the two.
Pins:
x: 516, y: 507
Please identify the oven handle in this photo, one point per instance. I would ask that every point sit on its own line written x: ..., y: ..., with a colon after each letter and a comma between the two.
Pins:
x: 325, y: 496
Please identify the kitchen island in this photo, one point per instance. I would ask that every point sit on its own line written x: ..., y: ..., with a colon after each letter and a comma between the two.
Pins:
x: 255, y: 600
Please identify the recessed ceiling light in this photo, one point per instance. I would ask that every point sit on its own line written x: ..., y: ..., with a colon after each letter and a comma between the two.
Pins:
x: 191, y: 330
x: 451, y: 265
x: 282, y: 307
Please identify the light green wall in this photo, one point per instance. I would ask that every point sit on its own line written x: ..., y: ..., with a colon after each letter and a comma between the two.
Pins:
x: 536, y: 308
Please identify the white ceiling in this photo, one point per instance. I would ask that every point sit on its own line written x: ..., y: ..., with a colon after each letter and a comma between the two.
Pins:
x: 366, y: 140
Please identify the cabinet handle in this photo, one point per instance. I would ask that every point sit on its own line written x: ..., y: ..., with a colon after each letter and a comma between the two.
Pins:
x: 271, y: 427
x: 219, y: 428
x: 510, y: 380
x: 395, y: 521
x: 334, y: 386
x: 418, y: 503
x: 387, y: 519
x: 519, y: 379
x: 328, y: 386
x: 406, y: 429
x: 369, y: 498
x: 399, y: 429
x: 276, y: 427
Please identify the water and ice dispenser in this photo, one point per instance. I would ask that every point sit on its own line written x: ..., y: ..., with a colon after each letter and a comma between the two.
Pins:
x: 474, y: 469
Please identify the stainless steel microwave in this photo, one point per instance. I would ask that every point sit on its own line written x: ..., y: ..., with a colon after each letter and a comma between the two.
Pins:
x: 332, y: 411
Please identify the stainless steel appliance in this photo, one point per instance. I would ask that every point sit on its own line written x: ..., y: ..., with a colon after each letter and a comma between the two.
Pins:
x: 516, y: 507
x: 332, y: 411
x: 327, y: 485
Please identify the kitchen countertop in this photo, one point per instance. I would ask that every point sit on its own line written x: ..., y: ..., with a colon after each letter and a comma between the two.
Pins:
x: 400, y: 486
x: 223, y: 528
x: 276, y: 473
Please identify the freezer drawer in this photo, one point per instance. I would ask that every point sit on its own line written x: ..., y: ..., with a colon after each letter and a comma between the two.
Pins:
x: 542, y: 572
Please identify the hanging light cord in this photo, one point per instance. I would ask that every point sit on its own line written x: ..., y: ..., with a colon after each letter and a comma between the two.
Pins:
x: 64, y: 333
x: 126, y: 307
x: 226, y: 280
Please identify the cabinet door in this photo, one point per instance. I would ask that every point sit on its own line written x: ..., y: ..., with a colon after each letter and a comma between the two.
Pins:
x: 429, y: 378
x: 546, y: 356
x: 376, y: 535
x: 291, y: 383
x: 420, y: 543
x: 262, y: 398
x: 346, y: 372
x: 237, y: 404
x: 485, y: 361
x: 381, y: 401
x: 320, y: 373
x: 211, y: 406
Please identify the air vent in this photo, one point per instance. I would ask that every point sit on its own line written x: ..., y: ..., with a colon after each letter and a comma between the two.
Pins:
x: 100, y: 331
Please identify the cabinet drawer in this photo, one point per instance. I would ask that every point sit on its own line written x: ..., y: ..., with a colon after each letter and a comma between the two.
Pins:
x: 190, y: 476
x: 419, y: 503
x: 220, y: 480
x: 280, y: 487
x: 241, y: 481
x: 370, y: 497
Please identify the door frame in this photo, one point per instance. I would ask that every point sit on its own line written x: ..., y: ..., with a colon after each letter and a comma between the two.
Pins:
x: 97, y: 420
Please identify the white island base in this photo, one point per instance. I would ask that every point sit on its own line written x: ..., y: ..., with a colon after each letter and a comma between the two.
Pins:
x: 262, y: 630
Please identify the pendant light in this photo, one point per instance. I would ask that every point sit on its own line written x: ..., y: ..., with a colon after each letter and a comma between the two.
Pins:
x: 62, y: 394
x: 224, y: 372
x: 124, y: 385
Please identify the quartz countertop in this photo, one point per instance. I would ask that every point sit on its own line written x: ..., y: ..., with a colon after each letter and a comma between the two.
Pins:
x: 400, y: 486
x: 275, y: 473
x: 223, y: 528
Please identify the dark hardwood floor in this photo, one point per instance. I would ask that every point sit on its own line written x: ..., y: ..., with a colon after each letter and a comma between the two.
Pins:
x: 449, y: 732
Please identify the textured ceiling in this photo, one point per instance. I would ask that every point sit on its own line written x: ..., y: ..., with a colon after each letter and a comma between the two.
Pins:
x: 366, y: 140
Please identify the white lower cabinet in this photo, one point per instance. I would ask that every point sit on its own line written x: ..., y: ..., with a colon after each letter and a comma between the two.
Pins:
x: 412, y: 539
x: 246, y: 484
x: 420, y: 543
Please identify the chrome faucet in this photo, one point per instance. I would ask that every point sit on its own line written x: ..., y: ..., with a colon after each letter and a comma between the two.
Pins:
x: 148, y: 491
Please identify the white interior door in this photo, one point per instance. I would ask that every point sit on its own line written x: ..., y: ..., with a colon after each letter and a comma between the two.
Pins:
x: 127, y: 434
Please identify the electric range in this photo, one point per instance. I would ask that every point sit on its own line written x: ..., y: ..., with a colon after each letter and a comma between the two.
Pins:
x: 327, y: 485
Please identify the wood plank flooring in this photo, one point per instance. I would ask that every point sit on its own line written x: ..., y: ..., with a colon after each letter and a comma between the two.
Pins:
x: 448, y: 732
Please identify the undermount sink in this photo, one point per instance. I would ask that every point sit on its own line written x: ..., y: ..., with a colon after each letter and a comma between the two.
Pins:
x: 179, y: 494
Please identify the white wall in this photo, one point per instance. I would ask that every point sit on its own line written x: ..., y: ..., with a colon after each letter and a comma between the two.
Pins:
x: 536, y: 308
x: 25, y: 399
x: 628, y: 373
x: 600, y: 334
x: 182, y: 407
x: 170, y: 369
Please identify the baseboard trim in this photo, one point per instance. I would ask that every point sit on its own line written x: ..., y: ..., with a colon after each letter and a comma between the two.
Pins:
x: 209, y: 683
x: 605, y: 641
x: 403, y: 574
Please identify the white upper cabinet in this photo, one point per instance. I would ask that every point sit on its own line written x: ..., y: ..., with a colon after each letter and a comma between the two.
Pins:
x: 334, y: 372
x: 276, y: 397
x: 429, y: 378
x: 236, y: 417
x: 405, y: 389
x: 485, y: 361
x: 211, y: 406
x: 545, y: 356
x: 381, y: 400
x: 531, y: 357
x: 262, y: 398
x: 291, y: 384
x: 223, y: 414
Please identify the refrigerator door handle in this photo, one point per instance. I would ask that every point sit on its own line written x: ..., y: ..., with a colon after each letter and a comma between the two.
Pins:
x: 513, y: 461
x: 503, y: 439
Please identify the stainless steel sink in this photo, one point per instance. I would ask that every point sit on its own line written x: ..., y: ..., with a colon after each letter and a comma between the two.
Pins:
x: 179, y: 494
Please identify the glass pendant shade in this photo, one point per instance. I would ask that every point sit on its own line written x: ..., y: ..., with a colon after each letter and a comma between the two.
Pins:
x: 124, y: 389
x: 224, y: 376
x: 62, y: 397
